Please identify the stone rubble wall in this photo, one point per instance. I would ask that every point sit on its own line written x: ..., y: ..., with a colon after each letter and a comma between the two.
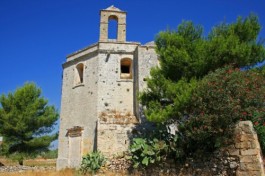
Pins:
x: 246, y: 146
x: 242, y: 158
x: 114, y: 133
x: 21, y: 169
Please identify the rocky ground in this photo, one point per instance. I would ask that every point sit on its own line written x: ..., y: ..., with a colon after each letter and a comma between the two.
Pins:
x: 4, y: 169
x: 121, y: 166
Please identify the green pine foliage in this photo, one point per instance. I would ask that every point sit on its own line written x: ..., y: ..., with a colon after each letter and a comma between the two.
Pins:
x: 205, y: 84
x: 26, y: 121
x: 186, y: 56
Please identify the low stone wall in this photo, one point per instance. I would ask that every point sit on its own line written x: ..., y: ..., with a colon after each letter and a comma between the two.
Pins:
x: 21, y: 169
x: 242, y: 158
x: 217, y: 164
x: 246, y: 146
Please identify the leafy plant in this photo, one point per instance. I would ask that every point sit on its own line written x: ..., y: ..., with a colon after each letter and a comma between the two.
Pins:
x: 92, y: 162
x: 156, y: 146
x: 145, y: 152
x: 222, y: 99
x: 258, y: 120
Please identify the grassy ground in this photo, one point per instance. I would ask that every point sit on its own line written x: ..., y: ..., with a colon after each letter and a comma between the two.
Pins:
x: 66, y: 172
x: 40, y: 162
x: 8, y: 162
x: 49, y: 162
x: 30, y: 162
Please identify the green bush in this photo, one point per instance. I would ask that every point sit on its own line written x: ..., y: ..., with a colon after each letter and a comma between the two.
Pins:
x: 50, y: 154
x: 221, y: 99
x: 258, y: 121
x: 155, y: 146
x: 92, y: 162
x: 145, y: 152
x: 20, y: 157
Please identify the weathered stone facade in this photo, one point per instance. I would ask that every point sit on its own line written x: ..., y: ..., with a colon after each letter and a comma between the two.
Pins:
x: 99, y: 80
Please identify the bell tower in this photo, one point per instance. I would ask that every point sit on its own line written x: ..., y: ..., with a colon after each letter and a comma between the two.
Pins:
x: 99, y: 107
x: 112, y: 13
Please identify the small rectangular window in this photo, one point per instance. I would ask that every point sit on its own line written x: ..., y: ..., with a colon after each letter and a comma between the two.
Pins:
x: 126, y: 69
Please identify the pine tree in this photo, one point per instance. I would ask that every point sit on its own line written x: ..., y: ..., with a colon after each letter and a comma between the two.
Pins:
x: 186, y: 56
x: 26, y: 122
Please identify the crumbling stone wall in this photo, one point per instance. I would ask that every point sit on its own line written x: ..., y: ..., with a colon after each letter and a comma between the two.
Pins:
x: 246, y: 146
x: 114, y: 132
x: 242, y: 158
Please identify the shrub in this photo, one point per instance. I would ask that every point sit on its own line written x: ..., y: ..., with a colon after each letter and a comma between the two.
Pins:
x: 258, y: 121
x: 50, y: 154
x: 92, y: 162
x: 145, y: 152
x: 20, y: 157
x: 221, y: 99
x: 156, y: 146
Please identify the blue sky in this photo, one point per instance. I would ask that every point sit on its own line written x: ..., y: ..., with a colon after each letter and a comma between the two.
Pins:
x: 36, y: 35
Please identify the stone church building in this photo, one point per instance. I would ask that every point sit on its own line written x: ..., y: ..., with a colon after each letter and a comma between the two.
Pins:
x: 99, y: 106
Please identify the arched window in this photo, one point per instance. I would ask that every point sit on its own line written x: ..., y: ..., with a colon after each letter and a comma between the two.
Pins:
x: 80, y: 73
x: 113, y: 27
x: 126, y: 68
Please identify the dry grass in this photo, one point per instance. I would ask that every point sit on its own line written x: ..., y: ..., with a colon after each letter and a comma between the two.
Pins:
x: 40, y: 162
x: 66, y: 172
x: 8, y: 162
x: 29, y: 162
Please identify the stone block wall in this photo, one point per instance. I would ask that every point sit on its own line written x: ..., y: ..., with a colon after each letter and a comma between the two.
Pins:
x: 246, y: 146
x: 242, y: 158
x: 114, y: 133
